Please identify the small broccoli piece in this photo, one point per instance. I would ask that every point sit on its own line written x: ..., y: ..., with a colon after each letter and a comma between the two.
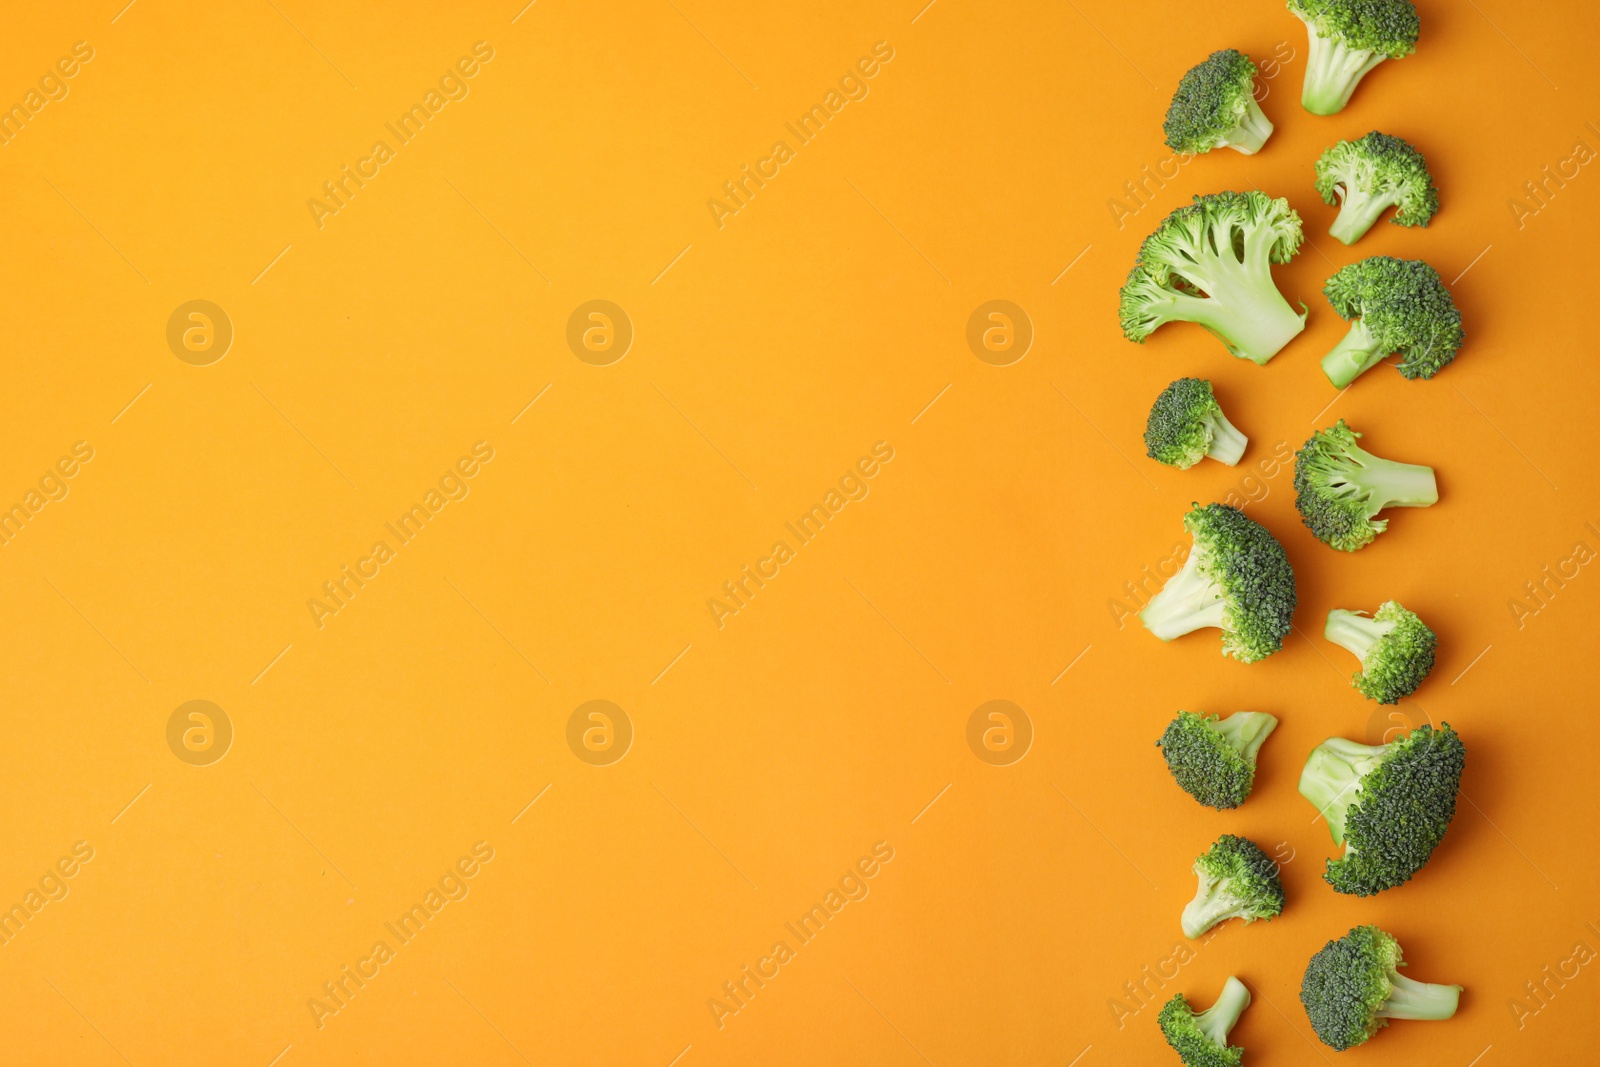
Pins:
x: 1339, y: 486
x: 1349, y: 38
x: 1237, y: 578
x: 1214, y: 760
x: 1215, y: 107
x: 1395, y: 648
x: 1210, y: 263
x: 1389, y: 805
x: 1186, y: 424
x: 1353, y: 987
x: 1368, y: 177
x: 1201, y: 1039
x: 1237, y: 881
x: 1397, y: 305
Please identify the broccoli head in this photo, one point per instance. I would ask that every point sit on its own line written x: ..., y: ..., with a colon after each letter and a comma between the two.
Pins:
x: 1348, y: 39
x: 1389, y: 805
x: 1212, y: 759
x: 1237, y: 578
x: 1353, y: 987
x: 1210, y: 263
x: 1186, y: 424
x: 1395, y: 648
x: 1393, y: 305
x: 1201, y: 1038
x: 1368, y: 177
x: 1215, y: 107
x: 1339, y: 486
x: 1237, y: 881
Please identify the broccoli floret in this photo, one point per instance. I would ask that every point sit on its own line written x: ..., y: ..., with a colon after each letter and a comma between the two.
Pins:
x: 1339, y: 486
x: 1237, y: 578
x: 1389, y: 805
x: 1215, y: 107
x: 1395, y: 648
x: 1186, y: 424
x: 1349, y: 38
x: 1353, y: 987
x: 1398, y: 305
x: 1210, y: 263
x: 1367, y: 177
x: 1201, y: 1040
x: 1214, y: 760
x: 1237, y: 881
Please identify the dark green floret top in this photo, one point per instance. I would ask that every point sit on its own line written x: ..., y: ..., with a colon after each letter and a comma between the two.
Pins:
x: 1212, y: 759
x: 1201, y: 1038
x: 1215, y: 107
x: 1353, y: 987
x: 1367, y: 177
x: 1393, y: 305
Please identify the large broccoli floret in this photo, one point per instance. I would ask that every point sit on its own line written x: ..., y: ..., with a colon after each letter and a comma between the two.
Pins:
x: 1210, y: 263
x: 1215, y: 107
x: 1348, y: 39
x: 1398, y: 305
x: 1237, y: 881
x: 1389, y: 805
x: 1201, y: 1040
x: 1353, y: 987
x: 1395, y: 648
x: 1237, y: 578
x: 1339, y: 486
x: 1214, y: 760
x: 1186, y: 424
x: 1367, y: 177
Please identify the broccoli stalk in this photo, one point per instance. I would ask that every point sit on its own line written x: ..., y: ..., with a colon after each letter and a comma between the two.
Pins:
x: 1340, y: 487
x: 1236, y: 880
x: 1348, y: 39
x: 1353, y: 986
x: 1333, y: 70
x: 1332, y: 776
x: 1201, y: 1038
x: 1397, y: 305
x: 1410, y: 999
x: 1395, y: 647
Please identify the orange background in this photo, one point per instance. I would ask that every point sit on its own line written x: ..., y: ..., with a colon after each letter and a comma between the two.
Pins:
x: 769, y: 355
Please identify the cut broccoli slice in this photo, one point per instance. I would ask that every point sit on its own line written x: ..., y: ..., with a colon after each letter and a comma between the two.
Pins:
x: 1186, y: 424
x: 1353, y: 987
x: 1236, y: 881
x: 1201, y: 1039
x: 1389, y: 805
x: 1212, y: 759
x: 1348, y: 38
x: 1210, y: 263
x: 1396, y: 305
x: 1367, y: 177
x: 1215, y: 107
x: 1395, y: 648
x: 1339, y: 486
x: 1237, y: 578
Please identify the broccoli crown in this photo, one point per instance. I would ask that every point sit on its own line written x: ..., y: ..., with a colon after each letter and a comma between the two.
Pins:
x: 1353, y: 986
x: 1201, y: 1039
x: 1401, y: 306
x: 1389, y: 27
x: 1236, y: 881
x: 1209, y: 263
x: 1372, y: 174
x: 1214, y: 760
x: 1183, y: 422
x: 1212, y: 100
x: 1339, y: 486
x: 1395, y: 647
x: 1389, y: 805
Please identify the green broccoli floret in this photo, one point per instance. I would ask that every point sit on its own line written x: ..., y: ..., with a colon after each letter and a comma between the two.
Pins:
x: 1237, y: 578
x: 1395, y: 648
x: 1186, y: 424
x: 1339, y: 486
x: 1237, y: 881
x: 1398, y: 305
x: 1214, y: 760
x: 1353, y: 987
x: 1215, y: 107
x: 1348, y: 39
x: 1367, y: 177
x: 1389, y: 805
x: 1201, y: 1040
x: 1210, y: 263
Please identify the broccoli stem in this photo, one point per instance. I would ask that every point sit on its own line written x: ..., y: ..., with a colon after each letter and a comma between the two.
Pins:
x: 1332, y: 776
x: 1209, y: 907
x: 1246, y: 730
x: 1252, y: 132
x: 1353, y: 356
x: 1358, y: 211
x: 1227, y: 443
x: 1246, y: 311
x: 1189, y: 601
x: 1333, y: 70
x: 1217, y: 1020
x: 1354, y: 632
x: 1410, y: 999
x: 1395, y: 485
